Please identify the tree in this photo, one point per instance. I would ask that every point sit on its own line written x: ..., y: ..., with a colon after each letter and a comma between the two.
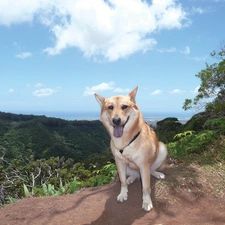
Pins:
x: 167, y: 128
x: 211, y: 93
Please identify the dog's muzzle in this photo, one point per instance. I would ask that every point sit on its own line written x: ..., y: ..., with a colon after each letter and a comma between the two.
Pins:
x: 118, y: 128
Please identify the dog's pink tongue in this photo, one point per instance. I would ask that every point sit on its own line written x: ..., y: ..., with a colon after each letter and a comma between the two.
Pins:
x: 118, y: 131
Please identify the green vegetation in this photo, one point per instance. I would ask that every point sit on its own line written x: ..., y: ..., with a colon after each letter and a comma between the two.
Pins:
x: 50, y: 156
x: 54, y: 176
x: 44, y: 137
x: 204, y: 132
x: 42, y: 156
x: 211, y: 93
x: 167, y: 128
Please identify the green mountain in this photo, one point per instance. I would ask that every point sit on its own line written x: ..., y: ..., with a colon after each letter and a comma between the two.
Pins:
x: 21, y: 135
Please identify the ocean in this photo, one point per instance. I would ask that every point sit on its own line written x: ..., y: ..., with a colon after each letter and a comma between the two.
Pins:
x: 150, y: 117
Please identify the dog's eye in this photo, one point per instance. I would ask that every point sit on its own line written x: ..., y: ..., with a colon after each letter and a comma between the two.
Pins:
x: 110, y: 107
x: 124, y: 107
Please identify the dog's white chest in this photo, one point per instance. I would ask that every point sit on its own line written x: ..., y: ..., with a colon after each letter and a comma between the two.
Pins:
x: 127, y: 153
x: 129, y: 158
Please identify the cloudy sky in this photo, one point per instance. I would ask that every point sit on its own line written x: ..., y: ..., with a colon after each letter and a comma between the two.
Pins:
x: 55, y: 54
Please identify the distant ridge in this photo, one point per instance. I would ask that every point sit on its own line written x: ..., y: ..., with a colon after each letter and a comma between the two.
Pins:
x: 47, y: 136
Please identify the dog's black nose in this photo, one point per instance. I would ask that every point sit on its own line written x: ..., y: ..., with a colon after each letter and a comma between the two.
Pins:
x: 116, y: 120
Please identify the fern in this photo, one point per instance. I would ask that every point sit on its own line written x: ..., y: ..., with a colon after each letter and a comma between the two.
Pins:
x: 216, y: 124
x: 190, y: 142
x: 184, y: 134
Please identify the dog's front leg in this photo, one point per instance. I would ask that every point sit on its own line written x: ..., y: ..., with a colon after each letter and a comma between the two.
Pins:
x: 145, y: 177
x: 121, y: 167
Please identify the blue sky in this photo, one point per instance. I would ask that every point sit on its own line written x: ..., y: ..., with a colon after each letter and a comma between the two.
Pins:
x: 55, y: 54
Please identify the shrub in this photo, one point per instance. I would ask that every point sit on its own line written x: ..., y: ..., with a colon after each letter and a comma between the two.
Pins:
x: 189, y: 142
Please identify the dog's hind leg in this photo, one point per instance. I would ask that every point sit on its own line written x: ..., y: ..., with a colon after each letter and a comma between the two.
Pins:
x: 159, y: 162
x: 132, y: 175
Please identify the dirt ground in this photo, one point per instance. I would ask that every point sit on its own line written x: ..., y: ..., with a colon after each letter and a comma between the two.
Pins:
x: 190, y: 194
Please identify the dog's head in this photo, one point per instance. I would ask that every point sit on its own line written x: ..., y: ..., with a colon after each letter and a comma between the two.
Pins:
x: 117, y: 112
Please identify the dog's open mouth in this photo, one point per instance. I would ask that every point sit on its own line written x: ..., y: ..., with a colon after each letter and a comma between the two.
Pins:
x: 118, y: 129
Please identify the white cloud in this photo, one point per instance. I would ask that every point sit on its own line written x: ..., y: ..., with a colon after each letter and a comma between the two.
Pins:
x: 198, y: 59
x: 156, y: 92
x: 13, y: 12
x: 23, y: 55
x: 167, y: 50
x: 186, y: 51
x: 101, y: 87
x: 176, y: 91
x: 104, y: 87
x: 110, y: 29
x: 44, y: 92
x: 11, y: 90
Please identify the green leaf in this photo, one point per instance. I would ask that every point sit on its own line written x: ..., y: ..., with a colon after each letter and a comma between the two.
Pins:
x: 45, y: 189
x: 73, y: 186
x: 11, y: 200
x: 26, y: 191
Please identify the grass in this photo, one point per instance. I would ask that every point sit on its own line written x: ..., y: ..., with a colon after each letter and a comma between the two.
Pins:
x: 195, y: 176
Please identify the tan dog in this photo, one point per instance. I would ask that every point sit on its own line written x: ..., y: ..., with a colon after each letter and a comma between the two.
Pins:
x: 133, y: 143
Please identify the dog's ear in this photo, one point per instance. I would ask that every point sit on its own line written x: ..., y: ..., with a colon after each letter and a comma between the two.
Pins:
x: 132, y: 95
x: 100, y: 99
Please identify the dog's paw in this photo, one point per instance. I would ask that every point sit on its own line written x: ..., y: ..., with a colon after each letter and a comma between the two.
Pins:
x: 147, y: 206
x: 158, y: 175
x: 130, y: 180
x: 122, y: 197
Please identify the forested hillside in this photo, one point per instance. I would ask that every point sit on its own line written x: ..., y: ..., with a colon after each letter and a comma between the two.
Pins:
x: 23, y: 135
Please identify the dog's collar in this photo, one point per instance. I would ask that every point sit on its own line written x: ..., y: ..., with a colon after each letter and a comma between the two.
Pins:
x: 133, y: 139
